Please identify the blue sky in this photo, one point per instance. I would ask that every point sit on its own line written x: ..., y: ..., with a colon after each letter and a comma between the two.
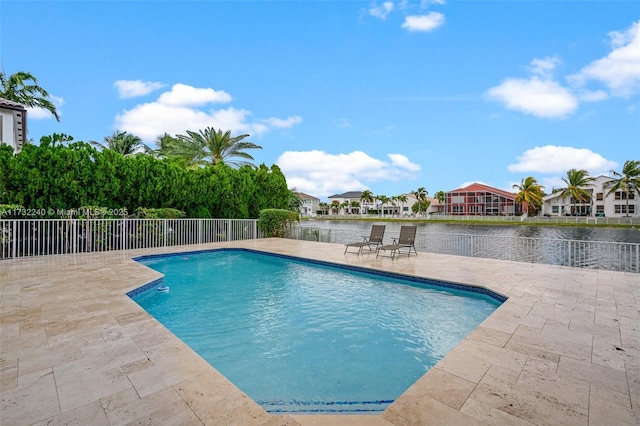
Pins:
x: 349, y: 95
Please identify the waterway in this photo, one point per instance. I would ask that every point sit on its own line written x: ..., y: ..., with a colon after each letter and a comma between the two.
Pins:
x: 586, y: 233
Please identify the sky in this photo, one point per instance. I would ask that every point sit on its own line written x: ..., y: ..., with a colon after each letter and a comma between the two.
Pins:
x: 345, y: 95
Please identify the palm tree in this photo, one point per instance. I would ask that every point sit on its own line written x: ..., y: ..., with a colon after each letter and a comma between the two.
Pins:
x: 123, y: 143
x: 366, y: 198
x: 625, y: 181
x: 324, y: 207
x: 210, y: 146
x: 383, y: 200
x: 577, y: 181
x: 344, y: 206
x: 295, y: 202
x: 22, y: 87
x: 421, y: 195
x: 531, y: 193
x: 440, y: 196
x: 401, y: 199
x: 354, y: 205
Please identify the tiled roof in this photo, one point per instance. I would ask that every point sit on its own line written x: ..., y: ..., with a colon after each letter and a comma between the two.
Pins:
x: 350, y: 194
x: 304, y: 196
x: 478, y: 187
x: 6, y: 103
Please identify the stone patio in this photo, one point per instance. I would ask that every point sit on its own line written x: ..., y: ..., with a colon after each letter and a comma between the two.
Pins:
x: 564, y: 349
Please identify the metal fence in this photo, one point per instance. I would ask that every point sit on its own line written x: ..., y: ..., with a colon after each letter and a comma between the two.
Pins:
x: 40, y: 237
x: 577, y: 220
x: 612, y: 256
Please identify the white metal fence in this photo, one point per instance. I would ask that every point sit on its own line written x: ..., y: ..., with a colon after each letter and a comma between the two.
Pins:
x: 40, y: 237
x: 577, y: 220
x: 613, y: 256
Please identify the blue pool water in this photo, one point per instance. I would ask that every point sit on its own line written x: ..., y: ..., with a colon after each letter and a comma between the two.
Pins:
x: 300, y: 336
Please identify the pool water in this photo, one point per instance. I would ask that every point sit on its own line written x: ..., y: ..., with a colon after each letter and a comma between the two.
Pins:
x: 298, y: 336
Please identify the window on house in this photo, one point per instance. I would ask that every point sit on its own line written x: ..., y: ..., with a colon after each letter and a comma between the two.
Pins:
x: 599, y: 196
x: 622, y: 208
x: 555, y: 209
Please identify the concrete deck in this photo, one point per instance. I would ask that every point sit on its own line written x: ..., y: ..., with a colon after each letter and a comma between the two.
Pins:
x: 74, y: 349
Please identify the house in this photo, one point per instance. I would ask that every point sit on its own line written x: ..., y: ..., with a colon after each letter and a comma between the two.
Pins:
x: 599, y: 203
x: 347, y: 203
x: 310, y: 204
x: 481, y: 200
x: 13, y: 124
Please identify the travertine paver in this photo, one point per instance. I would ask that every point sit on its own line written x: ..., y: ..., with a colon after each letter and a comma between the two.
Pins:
x: 74, y: 349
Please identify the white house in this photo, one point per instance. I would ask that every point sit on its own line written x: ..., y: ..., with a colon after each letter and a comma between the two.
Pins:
x: 600, y: 202
x: 310, y: 204
x: 13, y: 124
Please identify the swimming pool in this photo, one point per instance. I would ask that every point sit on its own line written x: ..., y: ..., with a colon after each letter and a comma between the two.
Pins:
x: 303, y: 336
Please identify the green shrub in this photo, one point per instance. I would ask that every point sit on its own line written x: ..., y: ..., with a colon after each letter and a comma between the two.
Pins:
x: 276, y: 222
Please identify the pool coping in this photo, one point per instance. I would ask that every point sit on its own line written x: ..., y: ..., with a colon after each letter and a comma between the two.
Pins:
x: 564, y: 346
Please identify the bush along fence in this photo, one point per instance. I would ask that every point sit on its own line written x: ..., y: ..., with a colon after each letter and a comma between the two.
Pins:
x: 40, y: 237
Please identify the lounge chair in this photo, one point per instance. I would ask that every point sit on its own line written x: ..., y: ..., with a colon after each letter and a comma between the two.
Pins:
x: 373, y: 241
x: 403, y: 245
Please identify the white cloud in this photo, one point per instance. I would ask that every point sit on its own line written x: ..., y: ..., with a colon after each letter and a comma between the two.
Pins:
x: 428, y: 22
x: 592, y: 95
x: 544, y: 66
x: 382, y: 10
x: 183, y: 95
x: 551, y: 159
x: 135, y: 88
x: 183, y: 108
x: 535, y: 96
x: 322, y: 174
x: 44, y: 114
x: 620, y: 69
x: 282, y: 123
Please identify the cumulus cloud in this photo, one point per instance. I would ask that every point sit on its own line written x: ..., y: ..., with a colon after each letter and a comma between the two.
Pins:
x: 183, y: 95
x: 544, y: 66
x: 535, y: 96
x: 44, y: 114
x: 323, y: 174
x: 190, y: 108
x: 134, y: 88
x: 428, y: 22
x: 381, y: 11
x: 552, y: 159
x: 620, y: 69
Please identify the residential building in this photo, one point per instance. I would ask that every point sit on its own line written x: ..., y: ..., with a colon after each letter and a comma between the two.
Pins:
x: 310, y: 204
x: 599, y: 203
x: 13, y: 124
x: 481, y: 200
x: 345, y: 203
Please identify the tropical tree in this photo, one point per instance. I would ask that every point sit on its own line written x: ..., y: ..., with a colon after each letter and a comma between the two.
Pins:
x: 354, y: 205
x: 324, y: 207
x: 401, y: 199
x: 55, y: 138
x: 295, y: 202
x: 209, y: 147
x: 123, y: 143
x: 421, y: 195
x: 625, y: 181
x: 577, y: 181
x: 22, y: 87
x: 440, y: 196
x: 367, y: 197
x: 345, y: 205
x: 531, y: 193
x: 383, y: 199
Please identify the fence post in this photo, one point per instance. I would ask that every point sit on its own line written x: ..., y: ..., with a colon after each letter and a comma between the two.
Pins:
x: 74, y: 236
x: 14, y: 234
x: 164, y: 232
x: 255, y: 229
x: 200, y: 231
x: 229, y: 230
x: 569, y: 262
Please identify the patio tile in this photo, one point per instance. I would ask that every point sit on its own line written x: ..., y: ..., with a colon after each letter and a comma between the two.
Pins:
x: 549, y: 355
x: 606, y: 377
x: 89, y: 414
x: 33, y: 400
